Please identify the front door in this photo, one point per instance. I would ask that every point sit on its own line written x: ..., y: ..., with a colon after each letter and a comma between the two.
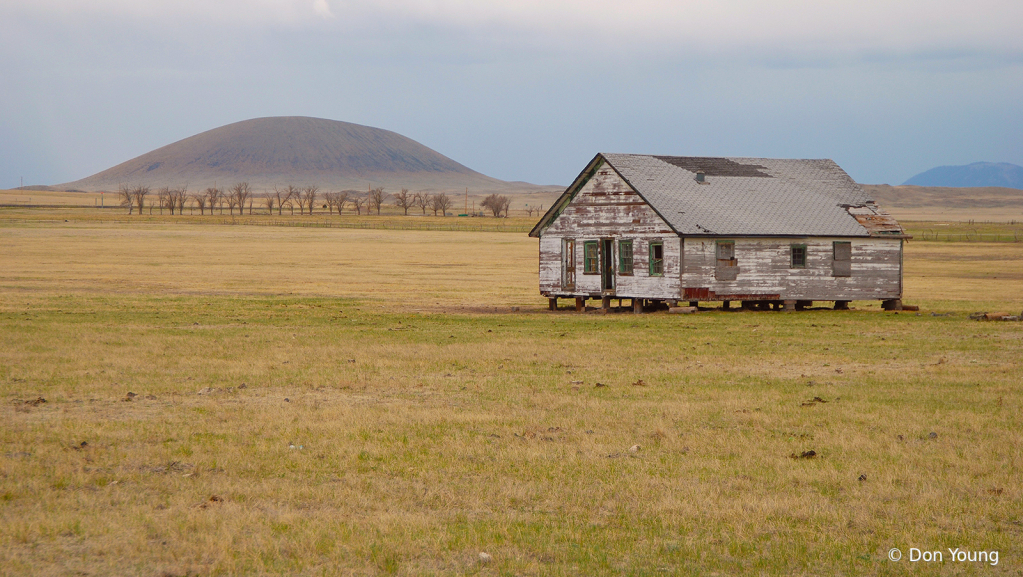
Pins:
x: 607, y: 267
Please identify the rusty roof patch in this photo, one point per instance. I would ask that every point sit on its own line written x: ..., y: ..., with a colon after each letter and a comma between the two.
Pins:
x: 876, y: 220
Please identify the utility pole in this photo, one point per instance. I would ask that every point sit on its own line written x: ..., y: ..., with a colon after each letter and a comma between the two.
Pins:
x: 467, y: 201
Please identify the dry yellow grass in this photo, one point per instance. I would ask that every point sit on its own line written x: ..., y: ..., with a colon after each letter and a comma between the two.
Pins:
x: 382, y: 431
x: 409, y: 269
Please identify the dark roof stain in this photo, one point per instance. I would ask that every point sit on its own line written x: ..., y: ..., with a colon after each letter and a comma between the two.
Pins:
x: 716, y: 166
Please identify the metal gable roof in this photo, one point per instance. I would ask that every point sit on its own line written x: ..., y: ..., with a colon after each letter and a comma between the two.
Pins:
x: 748, y: 196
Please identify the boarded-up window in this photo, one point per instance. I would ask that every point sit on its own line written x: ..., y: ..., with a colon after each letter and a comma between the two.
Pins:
x: 625, y: 257
x: 842, y: 264
x: 656, y: 258
x: 797, y: 253
x: 591, y: 258
x: 568, y: 264
x: 727, y: 265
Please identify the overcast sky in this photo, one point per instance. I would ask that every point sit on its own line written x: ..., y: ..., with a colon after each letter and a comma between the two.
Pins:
x: 525, y: 89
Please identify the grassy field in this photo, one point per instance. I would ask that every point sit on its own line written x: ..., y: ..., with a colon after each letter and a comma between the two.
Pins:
x: 233, y: 400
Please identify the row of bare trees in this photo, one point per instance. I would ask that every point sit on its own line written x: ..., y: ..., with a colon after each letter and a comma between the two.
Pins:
x: 241, y: 195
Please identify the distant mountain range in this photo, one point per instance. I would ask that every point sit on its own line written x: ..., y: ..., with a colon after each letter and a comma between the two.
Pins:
x: 298, y: 150
x: 977, y: 174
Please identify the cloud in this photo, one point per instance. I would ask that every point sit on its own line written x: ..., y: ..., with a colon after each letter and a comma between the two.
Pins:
x: 830, y: 28
x: 321, y: 8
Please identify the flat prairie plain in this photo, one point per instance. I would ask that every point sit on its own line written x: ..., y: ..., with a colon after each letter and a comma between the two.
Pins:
x: 229, y: 400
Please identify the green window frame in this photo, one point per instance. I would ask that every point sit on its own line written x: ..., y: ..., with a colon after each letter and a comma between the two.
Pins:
x: 625, y: 262
x: 797, y: 256
x: 591, y: 258
x: 656, y: 258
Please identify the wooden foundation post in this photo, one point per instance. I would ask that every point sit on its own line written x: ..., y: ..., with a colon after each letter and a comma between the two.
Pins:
x: 841, y: 305
x: 552, y: 303
x: 725, y: 305
x: 580, y: 304
x: 694, y: 303
x: 637, y: 306
x: 892, y: 305
x: 605, y: 304
x: 789, y: 305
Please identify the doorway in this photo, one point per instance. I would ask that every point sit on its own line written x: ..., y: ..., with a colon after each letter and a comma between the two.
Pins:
x: 607, y: 267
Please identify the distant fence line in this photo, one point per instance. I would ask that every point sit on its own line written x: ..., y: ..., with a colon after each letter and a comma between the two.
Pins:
x: 432, y: 226
x: 454, y: 225
x: 938, y: 236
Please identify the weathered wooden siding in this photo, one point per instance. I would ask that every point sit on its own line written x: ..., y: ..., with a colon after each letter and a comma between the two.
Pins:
x: 607, y: 207
x: 764, y: 269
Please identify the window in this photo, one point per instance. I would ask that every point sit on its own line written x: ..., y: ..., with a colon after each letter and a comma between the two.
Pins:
x: 727, y: 266
x: 625, y: 257
x: 725, y: 250
x: 656, y: 258
x: 568, y: 264
x: 591, y: 260
x: 842, y: 263
x: 798, y: 256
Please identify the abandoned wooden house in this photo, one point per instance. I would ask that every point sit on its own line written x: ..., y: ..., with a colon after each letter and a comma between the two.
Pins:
x: 770, y: 233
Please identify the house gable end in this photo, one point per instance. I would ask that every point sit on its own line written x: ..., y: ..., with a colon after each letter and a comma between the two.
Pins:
x: 607, y: 205
x: 610, y: 183
x: 566, y: 197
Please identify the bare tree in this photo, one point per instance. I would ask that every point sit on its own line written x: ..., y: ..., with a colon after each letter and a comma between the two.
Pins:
x: 200, y: 199
x: 180, y: 195
x: 309, y: 197
x: 496, y: 203
x: 294, y: 195
x: 344, y: 197
x: 138, y: 194
x: 232, y: 201
x: 440, y: 202
x: 422, y: 200
x: 404, y: 200
x: 281, y: 196
x: 358, y: 201
x: 213, y: 194
x: 269, y: 202
x: 240, y: 194
x: 376, y: 198
x: 125, y: 197
x: 331, y: 199
x: 163, y: 198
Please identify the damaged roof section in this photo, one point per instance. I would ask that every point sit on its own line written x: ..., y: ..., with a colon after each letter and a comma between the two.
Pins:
x: 877, y: 221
